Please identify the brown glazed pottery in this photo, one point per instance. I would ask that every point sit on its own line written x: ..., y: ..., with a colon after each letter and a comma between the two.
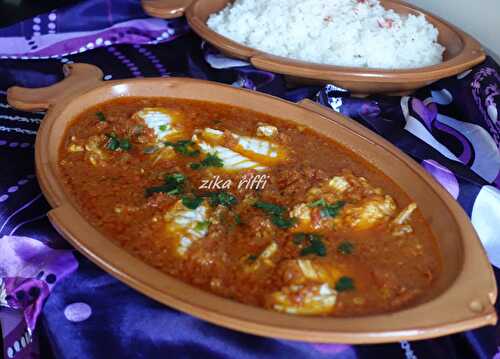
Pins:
x: 462, y: 51
x: 462, y: 298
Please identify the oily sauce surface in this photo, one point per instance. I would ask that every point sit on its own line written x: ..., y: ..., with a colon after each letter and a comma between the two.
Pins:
x: 326, y: 234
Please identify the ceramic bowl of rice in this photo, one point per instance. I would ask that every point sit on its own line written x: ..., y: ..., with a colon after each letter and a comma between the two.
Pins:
x: 365, y: 46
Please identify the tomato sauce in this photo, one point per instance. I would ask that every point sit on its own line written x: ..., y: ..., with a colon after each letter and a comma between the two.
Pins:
x: 325, y: 234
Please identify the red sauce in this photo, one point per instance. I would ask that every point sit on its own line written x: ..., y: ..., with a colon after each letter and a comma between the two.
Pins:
x: 110, y: 157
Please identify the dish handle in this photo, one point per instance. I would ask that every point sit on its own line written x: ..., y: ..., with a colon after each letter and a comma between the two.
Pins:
x: 79, y: 78
x: 166, y: 9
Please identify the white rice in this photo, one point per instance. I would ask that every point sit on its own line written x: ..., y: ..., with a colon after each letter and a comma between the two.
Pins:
x: 359, y: 33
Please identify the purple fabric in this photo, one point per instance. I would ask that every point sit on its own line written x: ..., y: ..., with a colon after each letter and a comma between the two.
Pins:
x: 450, y: 127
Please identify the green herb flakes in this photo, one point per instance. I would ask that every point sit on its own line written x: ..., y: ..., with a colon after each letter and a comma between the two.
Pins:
x: 344, y: 284
x: 270, y: 208
x: 191, y: 202
x: 332, y: 210
x: 175, y: 177
x: 319, y: 203
x: 173, y: 185
x: 115, y: 143
x: 125, y: 144
x: 212, y: 160
x: 345, y: 248
x: 315, y: 247
x: 282, y: 222
x: 299, y: 238
x: 202, y: 226
x: 100, y: 116
x: 184, y: 147
x: 222, y: 198
x: 327, y: 210
x: 277, y: 214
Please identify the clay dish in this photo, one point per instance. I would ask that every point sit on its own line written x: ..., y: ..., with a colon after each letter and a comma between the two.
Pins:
x: 461, y: 299
x: 462, y: 51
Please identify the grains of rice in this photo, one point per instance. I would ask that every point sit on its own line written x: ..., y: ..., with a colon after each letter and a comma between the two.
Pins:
x: 358, y: 33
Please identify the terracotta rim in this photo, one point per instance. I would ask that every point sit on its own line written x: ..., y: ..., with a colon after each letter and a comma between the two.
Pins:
x: 466, y: 303
x: 407, y: 79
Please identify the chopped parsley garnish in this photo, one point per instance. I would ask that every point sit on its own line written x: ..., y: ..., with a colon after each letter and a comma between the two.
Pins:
x: 125, y: 144
x: 344, y: 284
x: 237, y: 219
x: 115, y: 143
x: 174, y: 185
x: 315, y: 244
x: 177, y: 177
x: 332, y: 210
x: 212, y: 160
x: 163, y: 127
x: 100, y: 116
x: 191, y: 202
x: 327, y: 210
x: 277, y: 214
x: 202, y: 226
x: 270, y: 208
x: 184, y: 147
x: 299, y: 238
x: 282, y: 222
x: 319, y: 203
x: 345, y: 248
x: 223, y: 198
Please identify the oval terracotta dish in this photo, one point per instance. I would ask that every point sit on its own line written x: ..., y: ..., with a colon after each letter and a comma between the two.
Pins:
x: 462, y: 51
x: 461, y: 299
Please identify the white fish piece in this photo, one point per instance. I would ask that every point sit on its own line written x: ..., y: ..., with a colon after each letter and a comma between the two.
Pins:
x: 211, y: 132
x: 267, y: 131
x: 339, y: 184
x: 405, y: 214
x: 258, y: 146
x: 264, y: 259
x: 318, y: 271
x: 187, y: 225
x: 246, y: 144
x: 305, y: 300
x: 400, y: 226
x: 269, y: 251
x: 307, y: 269
x: 370, y: 213
x: 159, y: 120
x: 94, y: 153
x: 75, y: 148
x: 302, y: 212
x: 401, y: 230
x: 232, y: 160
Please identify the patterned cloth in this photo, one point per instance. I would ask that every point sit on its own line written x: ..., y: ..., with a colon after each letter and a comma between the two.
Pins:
x: 46, y: 288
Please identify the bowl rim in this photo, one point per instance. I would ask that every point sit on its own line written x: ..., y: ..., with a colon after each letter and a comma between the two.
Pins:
x: 471, y: 54
x: 460, y: 314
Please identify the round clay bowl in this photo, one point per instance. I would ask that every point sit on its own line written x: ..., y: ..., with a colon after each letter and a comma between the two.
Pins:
x: 462, y: 51
x: 461, y: 299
